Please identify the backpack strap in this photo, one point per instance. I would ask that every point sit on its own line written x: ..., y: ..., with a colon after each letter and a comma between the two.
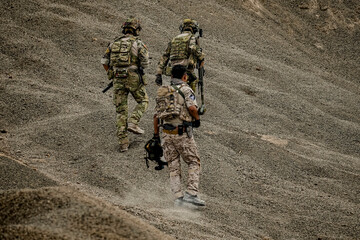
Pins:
x: 178, y: 90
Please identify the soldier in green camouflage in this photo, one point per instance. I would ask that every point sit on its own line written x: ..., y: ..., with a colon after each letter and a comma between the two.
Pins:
x: 124, y: 61
x: 185, y: 50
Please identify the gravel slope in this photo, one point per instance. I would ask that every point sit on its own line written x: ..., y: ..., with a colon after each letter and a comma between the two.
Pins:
x: 280, y: 141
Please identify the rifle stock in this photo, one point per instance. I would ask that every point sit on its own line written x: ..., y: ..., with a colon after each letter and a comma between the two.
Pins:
x: 108, y: 87
x: 201, y: 72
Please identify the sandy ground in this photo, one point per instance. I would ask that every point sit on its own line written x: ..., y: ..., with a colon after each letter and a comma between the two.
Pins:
x: 279, y: 143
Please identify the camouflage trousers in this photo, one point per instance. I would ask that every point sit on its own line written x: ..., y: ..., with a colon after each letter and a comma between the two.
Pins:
x: 122, y: 88
x: 175, y: 146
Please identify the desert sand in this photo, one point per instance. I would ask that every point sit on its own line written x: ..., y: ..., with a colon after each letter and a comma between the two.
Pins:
x: 279, y: 142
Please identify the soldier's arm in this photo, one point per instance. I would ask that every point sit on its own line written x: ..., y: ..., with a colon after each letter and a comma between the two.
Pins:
x: 190, y: 101
x: 143, y: 55
x: 164, y: 60
x: 156, y: 125
x: 105, y: 60
x: 196, y: 50
x: 193, y: 110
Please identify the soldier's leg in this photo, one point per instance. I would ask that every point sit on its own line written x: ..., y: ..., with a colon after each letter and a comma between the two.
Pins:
x: 121, y: 104
x: 173, y: 159
x: 142, y: 100
x: 138, y: 91
x: 190, y: 155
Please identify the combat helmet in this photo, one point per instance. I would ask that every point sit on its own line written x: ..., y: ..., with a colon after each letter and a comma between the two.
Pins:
x: 131, y: 23
x: 189, y: 24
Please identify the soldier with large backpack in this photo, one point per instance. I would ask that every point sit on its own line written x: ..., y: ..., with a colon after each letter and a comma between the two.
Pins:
x: 177, y: 114
x: 124, y: 61
x: 184, y: 49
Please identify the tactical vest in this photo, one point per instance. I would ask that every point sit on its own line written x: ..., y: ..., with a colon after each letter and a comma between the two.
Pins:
x: 180, y: 47
x: 170, y: 104
x: 121, y: 55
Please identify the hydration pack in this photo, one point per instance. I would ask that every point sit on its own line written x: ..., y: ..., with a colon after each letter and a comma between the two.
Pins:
x: 120, y: 55
x: 167, y: 102
x: 180, y: 47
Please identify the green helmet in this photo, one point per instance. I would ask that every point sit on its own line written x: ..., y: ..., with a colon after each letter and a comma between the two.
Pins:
x: 133, y: 23
x: 189, y: 24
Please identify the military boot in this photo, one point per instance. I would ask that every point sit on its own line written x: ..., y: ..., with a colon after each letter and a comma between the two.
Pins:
x: 179, y: 202
x: 193, y: 199
x: 124, y: 144
x: 124, y: 147
x: 132, y: 127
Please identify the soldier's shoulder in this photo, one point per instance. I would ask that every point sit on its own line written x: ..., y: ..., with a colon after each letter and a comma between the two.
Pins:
x: 186, y: 88
x: 141, y: 43
x: 117, y: 38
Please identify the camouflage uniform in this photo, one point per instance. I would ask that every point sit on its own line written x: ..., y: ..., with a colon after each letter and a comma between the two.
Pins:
x: 191, y: 55
x: 126, y: 80
x: 175, y: 145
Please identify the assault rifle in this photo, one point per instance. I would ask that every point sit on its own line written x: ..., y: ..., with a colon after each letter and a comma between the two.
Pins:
x: 201, y: 72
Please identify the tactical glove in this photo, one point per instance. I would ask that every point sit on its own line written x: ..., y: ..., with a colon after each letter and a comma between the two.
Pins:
x: 158, y: 79
x: 196, y: 123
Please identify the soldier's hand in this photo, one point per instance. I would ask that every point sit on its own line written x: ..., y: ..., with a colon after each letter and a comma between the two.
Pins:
x: 196, y: 123
x: 156, y: 137
x: 158, y: 79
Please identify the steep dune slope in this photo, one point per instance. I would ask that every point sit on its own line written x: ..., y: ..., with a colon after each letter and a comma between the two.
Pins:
x: 280, y: 141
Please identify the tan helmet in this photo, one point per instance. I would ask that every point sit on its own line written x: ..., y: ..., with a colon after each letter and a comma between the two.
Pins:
x: 189, y: 24
x: 132, y: 23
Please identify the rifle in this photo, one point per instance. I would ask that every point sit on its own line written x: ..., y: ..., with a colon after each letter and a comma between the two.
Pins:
x: 201, y: 72
x: 108, y: 87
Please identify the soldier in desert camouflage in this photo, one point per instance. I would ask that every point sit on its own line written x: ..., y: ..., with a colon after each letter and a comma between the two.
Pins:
x: 184, y: 49
x: 124, y: 61
x: 177, y: 122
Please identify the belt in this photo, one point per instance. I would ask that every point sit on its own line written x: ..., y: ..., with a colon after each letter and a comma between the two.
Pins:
x: 174, y: 132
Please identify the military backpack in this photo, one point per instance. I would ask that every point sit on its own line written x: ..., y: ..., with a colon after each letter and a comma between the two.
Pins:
x: 180, y: 47
x: 168, y: 104
x: 121, y: 52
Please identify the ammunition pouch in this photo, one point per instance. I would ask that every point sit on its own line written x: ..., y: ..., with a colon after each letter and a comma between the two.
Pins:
x: 121, y: 73
x: 110, y: 74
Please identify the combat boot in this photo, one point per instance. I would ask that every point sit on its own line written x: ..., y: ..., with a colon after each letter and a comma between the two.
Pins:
x: 132, y: 127
x: 179, y: 202
x: 193, y: 199
x: 124, y: 147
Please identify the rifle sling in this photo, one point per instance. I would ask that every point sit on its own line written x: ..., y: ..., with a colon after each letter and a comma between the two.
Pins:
x: 178, y: 90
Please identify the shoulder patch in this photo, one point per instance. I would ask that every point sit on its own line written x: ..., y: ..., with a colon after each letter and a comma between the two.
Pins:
x: 192, y: 97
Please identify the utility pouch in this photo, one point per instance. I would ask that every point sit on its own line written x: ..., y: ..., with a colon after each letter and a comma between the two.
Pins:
x: 121, y: 73
x: 110, y: 74
x: 189, y: 131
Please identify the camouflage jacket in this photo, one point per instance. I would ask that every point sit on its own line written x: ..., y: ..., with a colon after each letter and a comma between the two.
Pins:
x: 194, y: 53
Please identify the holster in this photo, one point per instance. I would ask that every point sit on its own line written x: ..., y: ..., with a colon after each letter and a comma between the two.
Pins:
x: 188, y: 128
